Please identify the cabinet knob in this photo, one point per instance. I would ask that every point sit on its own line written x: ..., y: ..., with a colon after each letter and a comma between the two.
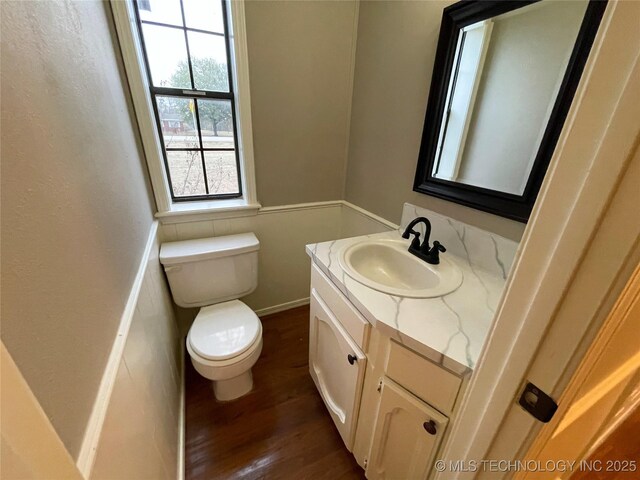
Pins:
x: 352, y: 359
x: 430, y: 427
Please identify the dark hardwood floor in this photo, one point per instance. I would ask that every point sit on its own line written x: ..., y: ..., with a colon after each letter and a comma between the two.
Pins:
x: 281, y: 430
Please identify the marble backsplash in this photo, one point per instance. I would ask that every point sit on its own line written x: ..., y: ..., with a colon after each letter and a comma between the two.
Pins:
x: 483, y: 249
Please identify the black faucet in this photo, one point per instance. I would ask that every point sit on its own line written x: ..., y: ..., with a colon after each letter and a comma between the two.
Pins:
x: 424, y: 252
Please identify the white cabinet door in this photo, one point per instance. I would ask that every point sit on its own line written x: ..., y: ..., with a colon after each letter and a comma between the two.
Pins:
x: 406, y: 437
x: 337, y: 367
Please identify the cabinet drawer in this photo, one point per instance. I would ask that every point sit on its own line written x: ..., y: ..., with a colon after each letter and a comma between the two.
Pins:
x: 428, y: 381
x: 354, y: 323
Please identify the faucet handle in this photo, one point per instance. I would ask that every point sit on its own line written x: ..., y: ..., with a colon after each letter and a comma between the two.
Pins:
x: 437, y: 246
x: 415, y: 243
x: 433, y: 255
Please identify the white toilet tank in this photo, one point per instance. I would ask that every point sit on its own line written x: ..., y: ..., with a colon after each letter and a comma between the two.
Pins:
x: 211, y: 270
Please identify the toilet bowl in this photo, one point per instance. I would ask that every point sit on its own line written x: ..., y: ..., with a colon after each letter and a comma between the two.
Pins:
x: 224, y: 343
x: 225, y: 339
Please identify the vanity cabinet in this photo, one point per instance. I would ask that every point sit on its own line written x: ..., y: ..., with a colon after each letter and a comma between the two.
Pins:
x: 406, y: 436
x: 390, y: 404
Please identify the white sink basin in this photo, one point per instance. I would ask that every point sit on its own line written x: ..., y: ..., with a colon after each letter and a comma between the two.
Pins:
x: 387, y: 266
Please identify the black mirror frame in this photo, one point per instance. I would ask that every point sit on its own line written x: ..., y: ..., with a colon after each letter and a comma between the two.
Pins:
x: 516, y: 207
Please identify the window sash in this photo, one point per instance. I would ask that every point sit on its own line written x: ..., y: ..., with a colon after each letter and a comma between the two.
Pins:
x: 193, y: 94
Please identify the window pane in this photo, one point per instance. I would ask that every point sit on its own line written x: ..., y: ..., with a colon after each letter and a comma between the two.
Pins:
x: 186, y: 173
x: 177, y: 121
x: 204, y: 15
x: 222, y: 172
x: 167, y: 55
x: 209, y: 61
x: 216, y: 123
x: 161, y: 11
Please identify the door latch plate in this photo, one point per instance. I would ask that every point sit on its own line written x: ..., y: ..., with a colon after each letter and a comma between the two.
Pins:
x: 540, y: 405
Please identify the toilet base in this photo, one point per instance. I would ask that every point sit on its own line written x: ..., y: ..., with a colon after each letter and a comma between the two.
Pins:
x: 232, y: 388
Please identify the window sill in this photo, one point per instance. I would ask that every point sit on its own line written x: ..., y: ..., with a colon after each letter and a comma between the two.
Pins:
x: 208, y: 210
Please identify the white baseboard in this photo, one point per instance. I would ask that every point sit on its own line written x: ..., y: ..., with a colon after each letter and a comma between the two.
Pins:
x: 91, y: 438
x: 282, y: 307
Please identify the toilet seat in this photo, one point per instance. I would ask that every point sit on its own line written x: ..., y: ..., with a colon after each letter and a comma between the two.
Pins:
x: 223, y: 332
x: 231, y: 362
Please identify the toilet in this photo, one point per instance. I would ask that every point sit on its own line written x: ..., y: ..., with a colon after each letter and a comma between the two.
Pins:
x: 225, y: 339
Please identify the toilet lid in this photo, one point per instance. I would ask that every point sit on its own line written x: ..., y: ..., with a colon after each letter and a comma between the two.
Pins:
x: 224, y: 331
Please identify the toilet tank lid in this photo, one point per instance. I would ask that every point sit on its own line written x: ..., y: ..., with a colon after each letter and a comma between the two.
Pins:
x: 184, y: 251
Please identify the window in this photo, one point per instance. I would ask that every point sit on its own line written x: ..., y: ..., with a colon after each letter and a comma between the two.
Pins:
x: 469, y: 61
x: 186, y: 51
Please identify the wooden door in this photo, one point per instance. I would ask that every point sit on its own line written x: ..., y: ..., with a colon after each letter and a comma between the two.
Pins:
x: 604, y: 391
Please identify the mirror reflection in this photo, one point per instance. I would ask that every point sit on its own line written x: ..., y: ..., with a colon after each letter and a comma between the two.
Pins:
x: 505, y: 78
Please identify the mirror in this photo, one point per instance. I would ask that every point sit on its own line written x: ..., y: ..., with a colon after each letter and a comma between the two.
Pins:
x: 504, y: 77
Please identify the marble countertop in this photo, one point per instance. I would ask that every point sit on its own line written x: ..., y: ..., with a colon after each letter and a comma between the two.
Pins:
x: 449, y: 330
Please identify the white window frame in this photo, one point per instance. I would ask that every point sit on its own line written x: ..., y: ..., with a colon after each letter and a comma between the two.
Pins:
x: 126, y: 28
x: 449, y: 159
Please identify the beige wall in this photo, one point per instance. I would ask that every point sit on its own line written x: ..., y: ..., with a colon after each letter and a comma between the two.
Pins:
x: 394, y: 59
x: 300, y: 67
x: 141, y: 429
x: 76, y: 209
